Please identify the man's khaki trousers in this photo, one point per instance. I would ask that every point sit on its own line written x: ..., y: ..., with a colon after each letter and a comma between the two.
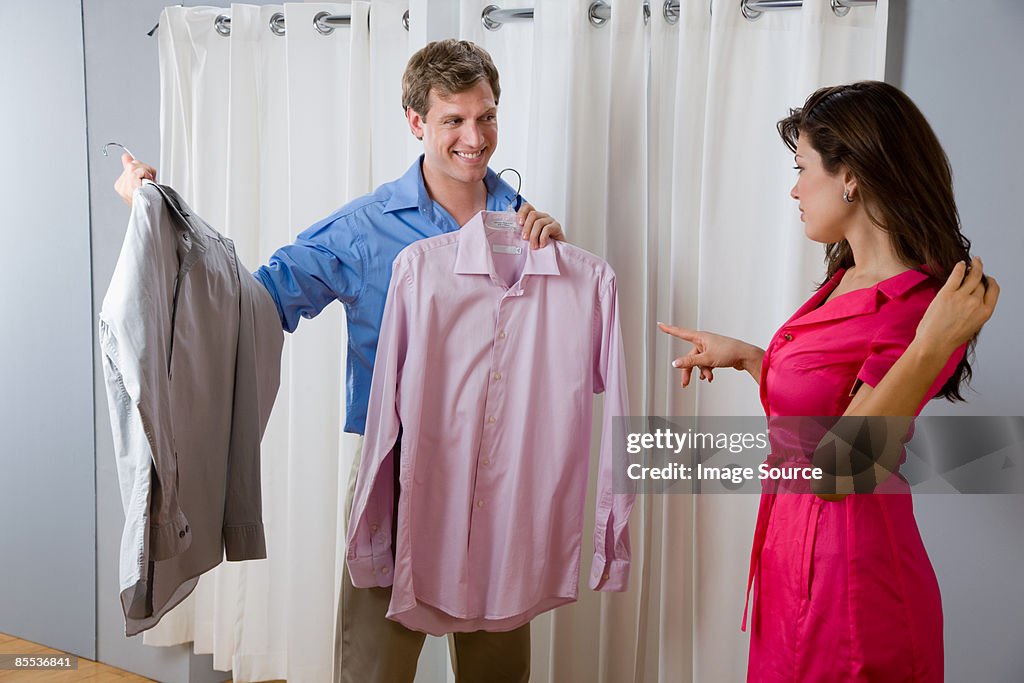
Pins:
x: 370, y: 648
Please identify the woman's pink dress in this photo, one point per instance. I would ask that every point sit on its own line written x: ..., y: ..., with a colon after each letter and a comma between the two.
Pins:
x: 843, y: 591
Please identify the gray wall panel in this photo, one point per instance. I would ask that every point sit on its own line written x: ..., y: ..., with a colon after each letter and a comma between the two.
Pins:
x: 960, y: 62
x: 47, y: 575
x: 122, y: 70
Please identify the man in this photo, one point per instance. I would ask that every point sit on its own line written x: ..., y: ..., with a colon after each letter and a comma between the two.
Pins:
x: 450, y: 93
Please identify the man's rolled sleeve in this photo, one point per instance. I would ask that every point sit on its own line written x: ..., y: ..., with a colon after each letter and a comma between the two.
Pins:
x: 326, y: 262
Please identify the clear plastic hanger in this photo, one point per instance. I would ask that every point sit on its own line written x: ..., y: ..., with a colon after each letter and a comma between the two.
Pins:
x: 507, y: 219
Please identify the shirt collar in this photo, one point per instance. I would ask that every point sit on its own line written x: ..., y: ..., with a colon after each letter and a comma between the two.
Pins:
x: 192, y: 242
x: 892, y: 287
x: 898, y: 285
x: 188, y: 220
x: 474, y: 253
x: 858, y: 302
x: 410, y: 192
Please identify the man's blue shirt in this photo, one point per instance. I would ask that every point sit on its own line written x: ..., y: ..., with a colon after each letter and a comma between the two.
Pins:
x: 348, y: 255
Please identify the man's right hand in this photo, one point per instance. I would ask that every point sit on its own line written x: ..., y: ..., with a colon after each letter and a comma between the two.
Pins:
x: 132, y: 175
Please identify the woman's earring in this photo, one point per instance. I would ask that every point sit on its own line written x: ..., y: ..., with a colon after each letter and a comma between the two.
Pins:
x: 846, y: 197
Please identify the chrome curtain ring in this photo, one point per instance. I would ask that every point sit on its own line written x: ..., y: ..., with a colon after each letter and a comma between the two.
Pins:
x: 748, y: 13
x: 277, y: 23
x: 599, y: 14
x: 485, y: 18
x: 670, y: 10
x: 222, y: 24
x: 839, y: 9
x: 322, y: 26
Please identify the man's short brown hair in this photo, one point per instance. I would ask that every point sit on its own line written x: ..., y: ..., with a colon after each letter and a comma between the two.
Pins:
x: 449, y: 67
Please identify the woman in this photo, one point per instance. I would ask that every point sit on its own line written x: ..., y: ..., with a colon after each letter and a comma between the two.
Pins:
x: 844, y: 590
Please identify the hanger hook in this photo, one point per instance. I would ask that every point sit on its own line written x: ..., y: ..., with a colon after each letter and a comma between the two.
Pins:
x: 116, y: 144
x: 519, y: 185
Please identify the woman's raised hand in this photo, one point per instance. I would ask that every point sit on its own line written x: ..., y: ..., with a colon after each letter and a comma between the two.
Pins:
x: 712, y: 351
x: 959, y: 310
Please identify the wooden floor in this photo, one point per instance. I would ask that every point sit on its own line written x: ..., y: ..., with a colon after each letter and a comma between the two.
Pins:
x: 88, y: 670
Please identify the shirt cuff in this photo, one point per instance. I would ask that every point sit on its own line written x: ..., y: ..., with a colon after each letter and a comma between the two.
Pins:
x: 370, y: 571
x: 245, y: 542
x: 170, y: 539
x: 609, y: 575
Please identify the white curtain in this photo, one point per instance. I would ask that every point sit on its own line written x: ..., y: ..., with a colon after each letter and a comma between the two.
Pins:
x: 755, y: 264
x: 264, y: 135
x: 654, y: 144
x: 574, y: 100
x: 656, y: 147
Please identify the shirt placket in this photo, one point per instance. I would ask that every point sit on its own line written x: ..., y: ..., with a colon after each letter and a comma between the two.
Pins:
x: 486, y: 486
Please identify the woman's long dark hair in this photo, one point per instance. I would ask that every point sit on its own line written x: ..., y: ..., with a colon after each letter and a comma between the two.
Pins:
x: 903, y: 177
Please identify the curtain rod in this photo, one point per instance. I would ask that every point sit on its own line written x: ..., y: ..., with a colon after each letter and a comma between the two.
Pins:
x: 494, y: 17
x: 324, y: 22
x: 753, y: 9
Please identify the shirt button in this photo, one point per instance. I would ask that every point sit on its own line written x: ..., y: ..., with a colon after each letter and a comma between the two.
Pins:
x: 487, y: 461
x: 497, y: 375
x: 384, y: 570
x: 479, y: 503
x: 373, y: 527
x: 490, y: 420
x: 787, y: 337
x: 501, y: 335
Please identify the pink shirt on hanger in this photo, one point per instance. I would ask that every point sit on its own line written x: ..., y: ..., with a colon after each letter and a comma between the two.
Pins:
x: 489, y: 356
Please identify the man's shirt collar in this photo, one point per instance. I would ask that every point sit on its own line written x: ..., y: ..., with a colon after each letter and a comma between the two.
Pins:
x: 411, y: 192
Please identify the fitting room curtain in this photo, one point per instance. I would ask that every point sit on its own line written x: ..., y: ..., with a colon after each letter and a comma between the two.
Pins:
x: 755, y: 266
x: 653, y: 143
x: 576, y: 97
x: 264, y: 135
x: 656, y: 146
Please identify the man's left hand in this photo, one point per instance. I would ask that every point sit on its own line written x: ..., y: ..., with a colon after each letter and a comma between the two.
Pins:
x: 538, y: 227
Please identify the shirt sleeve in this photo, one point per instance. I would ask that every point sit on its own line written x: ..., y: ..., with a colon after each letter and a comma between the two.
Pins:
x: 370, y: 561
x: 890, y: 342
x: 135, y: 333
x: 326, y: 262
x: 610, y: 567
x: 257, y: 379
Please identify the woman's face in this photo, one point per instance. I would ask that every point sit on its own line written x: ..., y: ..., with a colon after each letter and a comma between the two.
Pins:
x: 823, y: 210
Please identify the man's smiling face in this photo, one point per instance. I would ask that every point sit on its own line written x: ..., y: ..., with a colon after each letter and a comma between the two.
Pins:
x: 459, y: 133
